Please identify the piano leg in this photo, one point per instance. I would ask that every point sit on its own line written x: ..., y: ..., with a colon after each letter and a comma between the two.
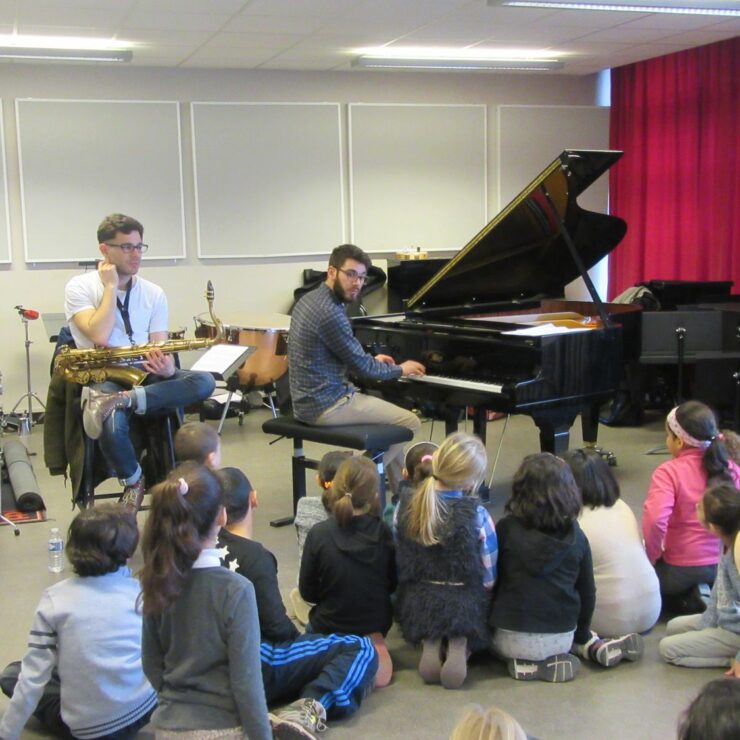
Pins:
x: 480, y: 422
x: 554, y: 429
x: 590, y: 427
x: 590, y: 424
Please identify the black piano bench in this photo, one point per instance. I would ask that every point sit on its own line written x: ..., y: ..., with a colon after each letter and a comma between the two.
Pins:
x: 375, y: 438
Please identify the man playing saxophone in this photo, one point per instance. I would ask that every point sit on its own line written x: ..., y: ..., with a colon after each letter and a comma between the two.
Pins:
x: 114, y: 307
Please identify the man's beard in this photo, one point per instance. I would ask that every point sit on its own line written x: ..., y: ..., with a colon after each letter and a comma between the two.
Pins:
x: 340, y: 293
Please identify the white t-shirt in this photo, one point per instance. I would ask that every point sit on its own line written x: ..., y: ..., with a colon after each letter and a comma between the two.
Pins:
x: 147, y: 309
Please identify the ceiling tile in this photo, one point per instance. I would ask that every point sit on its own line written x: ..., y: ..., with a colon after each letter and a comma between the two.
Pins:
x: 252, y: 40
x: 276, y: 23
x: 145, y: 20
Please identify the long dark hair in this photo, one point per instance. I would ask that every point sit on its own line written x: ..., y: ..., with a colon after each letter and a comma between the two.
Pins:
x: 183, y: 512
x: 698, y: 420
x: 593, y: 477
x: 544, y: 494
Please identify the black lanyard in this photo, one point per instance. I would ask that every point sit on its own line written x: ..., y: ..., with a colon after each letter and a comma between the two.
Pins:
x: 123, y: 308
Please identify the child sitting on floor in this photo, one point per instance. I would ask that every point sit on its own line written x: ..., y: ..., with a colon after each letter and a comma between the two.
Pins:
x: 348, y: 568
x: 200, y: 640
x: 684, y: 553
x: 322, y: 675
x: 447, y: 562
x: 310, y: 511
x: 712, y: 638
x: 627, y: 589
x: 91, y: 688
x: 545, y: 593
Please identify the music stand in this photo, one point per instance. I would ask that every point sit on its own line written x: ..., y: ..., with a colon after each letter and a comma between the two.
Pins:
x: 222, y: 361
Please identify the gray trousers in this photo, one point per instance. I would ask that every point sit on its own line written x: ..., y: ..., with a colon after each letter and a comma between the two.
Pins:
x: 531, y: 645
x: 362, y: 409
x: 691, y: 645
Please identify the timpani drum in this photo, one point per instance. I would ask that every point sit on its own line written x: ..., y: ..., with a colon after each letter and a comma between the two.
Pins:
x: 267, y: 332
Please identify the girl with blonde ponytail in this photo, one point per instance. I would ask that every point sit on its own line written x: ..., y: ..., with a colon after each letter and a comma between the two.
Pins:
x: 446, y: 554
x: 201, y: 639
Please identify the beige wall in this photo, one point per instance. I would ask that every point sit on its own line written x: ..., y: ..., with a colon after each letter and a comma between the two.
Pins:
x: 241, y: 285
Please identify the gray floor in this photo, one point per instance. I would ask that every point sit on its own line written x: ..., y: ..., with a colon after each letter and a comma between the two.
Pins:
x: 640, y: 700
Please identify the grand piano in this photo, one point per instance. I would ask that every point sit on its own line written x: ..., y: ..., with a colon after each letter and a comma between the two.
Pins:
x: 488, y: 329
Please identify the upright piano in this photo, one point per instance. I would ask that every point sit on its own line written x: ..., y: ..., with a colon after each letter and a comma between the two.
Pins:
x: 489, y: 333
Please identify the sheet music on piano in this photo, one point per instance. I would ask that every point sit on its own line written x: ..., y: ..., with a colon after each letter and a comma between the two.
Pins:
x: 545, y: 330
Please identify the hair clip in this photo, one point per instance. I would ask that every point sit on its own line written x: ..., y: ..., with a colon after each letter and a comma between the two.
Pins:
x: 182, y: 487
x: 426, y: 458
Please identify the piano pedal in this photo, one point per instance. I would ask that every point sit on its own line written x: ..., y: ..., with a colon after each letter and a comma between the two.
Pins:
x: 606, y: 455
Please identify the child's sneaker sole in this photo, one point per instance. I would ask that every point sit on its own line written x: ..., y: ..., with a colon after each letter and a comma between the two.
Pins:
x: 285, y: 729
x: 558, y: 669
x: 612, y: 652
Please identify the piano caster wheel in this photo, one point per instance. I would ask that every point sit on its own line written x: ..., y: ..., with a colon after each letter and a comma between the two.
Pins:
x: 606, y: 455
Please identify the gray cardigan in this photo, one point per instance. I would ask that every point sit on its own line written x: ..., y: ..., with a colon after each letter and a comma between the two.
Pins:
x: 724, y: 603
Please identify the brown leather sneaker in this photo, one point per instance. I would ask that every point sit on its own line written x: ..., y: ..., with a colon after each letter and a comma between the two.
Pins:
x: 133, y: 496
x: 97, y: 406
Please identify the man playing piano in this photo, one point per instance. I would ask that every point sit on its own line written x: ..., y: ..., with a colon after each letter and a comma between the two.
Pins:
x: 322, y: 348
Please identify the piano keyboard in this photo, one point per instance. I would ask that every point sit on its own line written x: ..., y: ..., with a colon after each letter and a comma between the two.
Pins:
x: 456, y: 383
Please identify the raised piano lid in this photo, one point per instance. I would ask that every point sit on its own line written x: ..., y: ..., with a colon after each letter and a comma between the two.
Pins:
x: 521, y: 254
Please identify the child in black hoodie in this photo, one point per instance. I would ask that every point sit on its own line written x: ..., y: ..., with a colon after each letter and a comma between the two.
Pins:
x: 545, y: 592
x: 348, y: 569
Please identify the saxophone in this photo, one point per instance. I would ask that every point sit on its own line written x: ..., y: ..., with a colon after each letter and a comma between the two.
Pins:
x: 97, y: 365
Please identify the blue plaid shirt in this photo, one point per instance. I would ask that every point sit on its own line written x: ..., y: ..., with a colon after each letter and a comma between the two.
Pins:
x: 321, y: 349
x: 487, y: 540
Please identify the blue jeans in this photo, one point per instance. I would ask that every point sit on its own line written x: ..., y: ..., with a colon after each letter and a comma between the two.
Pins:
x: 157, y: 394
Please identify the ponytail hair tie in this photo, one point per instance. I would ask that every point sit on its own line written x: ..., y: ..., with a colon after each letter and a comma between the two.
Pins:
x: 426, y: 458
x: 182, y: 487
x: 349, y: 493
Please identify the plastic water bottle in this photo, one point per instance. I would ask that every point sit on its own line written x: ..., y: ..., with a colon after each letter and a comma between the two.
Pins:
x: 56, y: 551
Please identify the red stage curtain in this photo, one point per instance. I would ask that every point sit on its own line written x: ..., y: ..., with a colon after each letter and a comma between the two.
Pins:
x: 678, y: 183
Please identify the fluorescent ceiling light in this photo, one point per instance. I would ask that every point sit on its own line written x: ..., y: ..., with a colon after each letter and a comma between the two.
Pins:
x: 461, y: 65
x: 446, y: 58
x: 726, y: 8
x: 66, y: 55
x: 63, y: 48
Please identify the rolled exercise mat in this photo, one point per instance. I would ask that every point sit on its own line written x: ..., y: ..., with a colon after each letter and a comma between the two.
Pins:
x: 22, y: 478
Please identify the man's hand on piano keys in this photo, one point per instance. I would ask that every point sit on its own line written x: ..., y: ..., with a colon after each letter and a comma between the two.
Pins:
x: 385, y: 359
x: 412, y: 367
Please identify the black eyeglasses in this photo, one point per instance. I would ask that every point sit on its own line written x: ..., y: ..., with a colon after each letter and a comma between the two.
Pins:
x: 353, y: 276
x: 128, y: 248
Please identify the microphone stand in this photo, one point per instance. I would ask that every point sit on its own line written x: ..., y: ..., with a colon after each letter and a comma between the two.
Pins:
x: 29, y: 394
